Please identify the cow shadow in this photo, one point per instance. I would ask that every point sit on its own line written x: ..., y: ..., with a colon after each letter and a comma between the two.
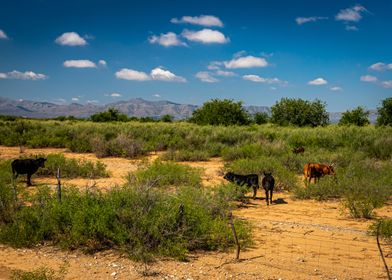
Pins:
x: 279, y: 201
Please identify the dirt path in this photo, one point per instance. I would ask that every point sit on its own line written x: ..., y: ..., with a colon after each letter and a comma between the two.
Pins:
x: 294, y: 239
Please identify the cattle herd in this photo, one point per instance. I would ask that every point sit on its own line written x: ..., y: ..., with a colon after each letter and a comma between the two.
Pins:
x: 311, y: 170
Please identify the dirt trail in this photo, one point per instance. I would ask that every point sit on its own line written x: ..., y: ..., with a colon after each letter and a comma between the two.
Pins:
x: 293, y: 239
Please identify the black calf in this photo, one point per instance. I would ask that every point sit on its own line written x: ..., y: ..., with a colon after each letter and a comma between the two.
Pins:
x: 251, y: 180
x: 27, y: 166
x: 268, y: 184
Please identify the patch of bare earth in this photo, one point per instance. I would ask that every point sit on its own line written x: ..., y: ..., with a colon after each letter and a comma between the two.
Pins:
x: 293, y: 239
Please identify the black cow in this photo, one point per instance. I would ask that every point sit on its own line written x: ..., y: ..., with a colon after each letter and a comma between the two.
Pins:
x: 298, y: 150
x: 251, y: 180
x: 268, y: 184
x: 27, y: 166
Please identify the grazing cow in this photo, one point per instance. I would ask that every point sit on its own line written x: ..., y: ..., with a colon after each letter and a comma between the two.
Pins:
x: 299, y: 150
x: 27, y: 166
x: 317, y: 170
x: 251, y: 180
x: 268, y: 184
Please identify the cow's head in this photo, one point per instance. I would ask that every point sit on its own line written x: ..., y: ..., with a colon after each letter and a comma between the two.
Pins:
x: 40, y: 161
x: 267, y: 173
x: 229, y: 176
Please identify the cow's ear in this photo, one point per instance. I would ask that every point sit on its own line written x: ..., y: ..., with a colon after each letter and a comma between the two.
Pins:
x: 333, y: 164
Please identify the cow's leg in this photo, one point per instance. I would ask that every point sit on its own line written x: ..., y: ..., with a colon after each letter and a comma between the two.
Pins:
x: 271, y: 191
x: 254, y: 192
x: 266, y: 196
x: 29, y: 179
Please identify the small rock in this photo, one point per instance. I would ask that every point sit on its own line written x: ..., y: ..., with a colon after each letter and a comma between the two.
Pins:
x: 113, y: 274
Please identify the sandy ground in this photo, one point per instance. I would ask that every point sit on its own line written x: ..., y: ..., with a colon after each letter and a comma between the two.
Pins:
x: 293, y: 239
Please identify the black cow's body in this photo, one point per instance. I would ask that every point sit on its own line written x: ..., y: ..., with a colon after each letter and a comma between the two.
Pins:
x: 27, y: 166
x: 251, y: 180
x: 298, y: 150
x: 268, y: 184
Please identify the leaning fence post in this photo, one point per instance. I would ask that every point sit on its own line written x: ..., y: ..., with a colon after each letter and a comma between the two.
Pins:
x: 58, y: 184
x: 379, y: 248
x: 231, y: 223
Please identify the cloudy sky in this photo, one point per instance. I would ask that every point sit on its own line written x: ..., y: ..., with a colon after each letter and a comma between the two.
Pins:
x: 191, y: 51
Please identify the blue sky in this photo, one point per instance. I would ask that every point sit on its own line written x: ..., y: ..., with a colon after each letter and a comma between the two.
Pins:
x: 191, y: 51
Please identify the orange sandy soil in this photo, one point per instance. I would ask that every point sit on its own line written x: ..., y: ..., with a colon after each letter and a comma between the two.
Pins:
x: 293, y: 239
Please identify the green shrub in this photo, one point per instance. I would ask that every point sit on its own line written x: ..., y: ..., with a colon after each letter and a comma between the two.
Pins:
x: 72, y: 168
x: 186, y: 155
x: 165, y: 174
x: 41, y: 273
x: 358, y: 117
x: 136, y: 220
x: 385, y: 230
x: 121, y: 146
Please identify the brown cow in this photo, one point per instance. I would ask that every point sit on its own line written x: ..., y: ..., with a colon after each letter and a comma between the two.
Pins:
x: 317, y: 170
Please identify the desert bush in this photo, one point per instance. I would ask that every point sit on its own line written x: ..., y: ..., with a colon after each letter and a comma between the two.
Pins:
x: 385, y: 112
x: 138, y: 221
x: 72, y: 168
x: 165, y: 174
x: 121, y: 146
x: 358, y: 117
x: 6, y: 192
x: 186, y: 155
x: 41, y: 273
x: 385, y: 229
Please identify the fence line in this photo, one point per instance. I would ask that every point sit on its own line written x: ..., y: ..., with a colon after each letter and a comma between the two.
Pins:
x: 348, y: 258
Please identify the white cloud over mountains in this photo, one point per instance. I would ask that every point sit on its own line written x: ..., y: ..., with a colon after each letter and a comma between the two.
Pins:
x: 351, y: 14
x: 258, y: 79
x: 302, y: 20
x: 157, y: 74
x: 81, y: 63
x: 71, y: 39
x: 318, y: 82
x: 203, y: 20
x: 380, y: 66
x: 205, y: 36
x: 245, y: 62
x: 28, y: 75
x: 167, y: 40
x: 3, y: 35
x: 206, y: 77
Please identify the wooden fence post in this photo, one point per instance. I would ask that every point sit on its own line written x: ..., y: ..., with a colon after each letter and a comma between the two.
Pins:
x: 231, y: 223
x: 381, y: 253
x: 58, y: 184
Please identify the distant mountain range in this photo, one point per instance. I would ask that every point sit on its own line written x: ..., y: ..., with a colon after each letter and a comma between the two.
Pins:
x: 136, y: 107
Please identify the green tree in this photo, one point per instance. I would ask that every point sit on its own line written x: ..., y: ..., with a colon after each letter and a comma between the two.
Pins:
x: 385, y: 112
x: 220, y: 112
x: 109, y: 116
x: 167, y: 118
x: 298, y: 112
x: 260, y: 118
x: 358, y: 117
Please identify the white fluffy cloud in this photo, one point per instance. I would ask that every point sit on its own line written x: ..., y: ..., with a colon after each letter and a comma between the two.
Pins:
x: 387, y: 84
x: 28, y: 75
x: 102, y: 62
x: 160, y: 74
x: 82, y: 63
x: 75, y: 99
x: 204, y: 20
x: 351, y: 14
x: 167, y: 40
x: 258, y: 79
x: 336, y: 88
x: 3, y: 35
x: 225, y: 73
x: 115, y: 94
x: 133, y: 75
x: 380, y: 66
x: 205, y: 36
x: 246, y: 62
x: 70, y: 39
x: 157, y: 74
x: 206, y: 77
x: 302, y: 20
x: 369, y: 79
x: 318, y: 82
